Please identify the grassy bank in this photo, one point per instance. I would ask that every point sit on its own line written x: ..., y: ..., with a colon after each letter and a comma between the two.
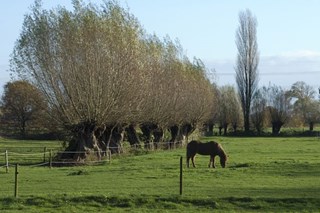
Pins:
x: 262, y: 175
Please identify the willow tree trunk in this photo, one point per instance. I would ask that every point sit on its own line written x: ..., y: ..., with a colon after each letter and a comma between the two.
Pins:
x: 83, y: 143
x: 210, y: 129
x: 180, y: 134
x: 147, y: 129
x: 186, y: 130
x: 220, y: 130
x: 114, y: 138
x: 311, y: 126
x: 158, y: 135
x: 225, y: 129
x: 235, y: 127
x: 276, y: 126
x: 133, y: 136
x: 175, y: 136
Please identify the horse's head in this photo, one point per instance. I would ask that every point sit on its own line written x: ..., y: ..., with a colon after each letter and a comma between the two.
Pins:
x: 223, y: 157
x: 223, y: 161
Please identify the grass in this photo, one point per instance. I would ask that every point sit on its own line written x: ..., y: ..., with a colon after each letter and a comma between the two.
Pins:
x: 27, y: 145
x: 27, y: 151
x: 262, y: 175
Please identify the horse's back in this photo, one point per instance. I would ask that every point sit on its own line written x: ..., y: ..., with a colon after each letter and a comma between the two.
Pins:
x: 192, y: 144
x: 209, y: 148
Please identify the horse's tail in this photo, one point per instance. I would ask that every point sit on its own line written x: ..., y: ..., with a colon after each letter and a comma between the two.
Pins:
x: 188, y: 153
x: 192, y: 148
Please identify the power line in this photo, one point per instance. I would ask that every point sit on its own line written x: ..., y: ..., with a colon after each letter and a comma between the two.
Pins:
x: 276, y: 73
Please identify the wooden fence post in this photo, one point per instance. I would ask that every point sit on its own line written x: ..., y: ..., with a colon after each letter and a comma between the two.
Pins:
x: 181, y: 175
x: 16, y: 182
x: 7, y: 161
x: 44, y: 154
x: 50, y: 158
x: 109, y: 155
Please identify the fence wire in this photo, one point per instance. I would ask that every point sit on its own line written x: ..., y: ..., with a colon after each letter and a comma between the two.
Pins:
x: 51, y: 157
x: 70, y: 180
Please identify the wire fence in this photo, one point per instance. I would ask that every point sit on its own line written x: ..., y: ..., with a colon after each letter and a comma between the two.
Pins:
x: 43, y: 156
x: 48, y: 157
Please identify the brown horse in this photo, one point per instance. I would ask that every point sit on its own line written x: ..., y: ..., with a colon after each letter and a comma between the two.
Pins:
x: 210, y: 148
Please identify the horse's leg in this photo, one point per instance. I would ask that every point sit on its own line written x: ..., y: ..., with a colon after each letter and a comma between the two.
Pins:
x: 212, y: 157
x: 192, y: 160
x: 210, y: 161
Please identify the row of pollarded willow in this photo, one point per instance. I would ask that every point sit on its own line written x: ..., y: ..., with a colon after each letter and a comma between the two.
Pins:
x: 100, y: 73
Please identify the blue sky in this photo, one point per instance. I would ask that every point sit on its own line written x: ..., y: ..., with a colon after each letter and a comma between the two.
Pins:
x: 288, y: 33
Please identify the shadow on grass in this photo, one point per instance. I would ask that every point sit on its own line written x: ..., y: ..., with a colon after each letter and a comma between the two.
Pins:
x: 241, y: 165
x: 287, y: 204
x: 144, y: 202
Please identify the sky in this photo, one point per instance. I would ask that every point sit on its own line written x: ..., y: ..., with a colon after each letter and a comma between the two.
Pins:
x: 288, y: 34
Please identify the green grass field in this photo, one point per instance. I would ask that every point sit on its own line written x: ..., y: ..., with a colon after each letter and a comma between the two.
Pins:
x: 262, y: 175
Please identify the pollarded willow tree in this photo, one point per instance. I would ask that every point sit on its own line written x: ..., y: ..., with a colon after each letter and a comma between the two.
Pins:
x: 279, y: 106
x: 258, y: 109
x: 247, y: 62
x: 229, y: 109
x: 86, y: 64
x: 192, y: 101
x: 305, y: 105
x: 179, y: 95
x: 101, y: 74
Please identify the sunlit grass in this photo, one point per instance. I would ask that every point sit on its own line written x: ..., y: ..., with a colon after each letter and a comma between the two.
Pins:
x: 262, y: 174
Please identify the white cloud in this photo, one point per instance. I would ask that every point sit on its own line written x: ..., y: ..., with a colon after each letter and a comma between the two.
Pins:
x: 301, y: 54
x: 283, y: 69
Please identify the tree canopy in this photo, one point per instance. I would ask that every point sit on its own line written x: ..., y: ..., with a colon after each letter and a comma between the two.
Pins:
x: 99, y: 71
x: 22, y: 104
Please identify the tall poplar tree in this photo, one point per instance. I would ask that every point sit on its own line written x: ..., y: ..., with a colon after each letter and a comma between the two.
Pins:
x: 247, y: 62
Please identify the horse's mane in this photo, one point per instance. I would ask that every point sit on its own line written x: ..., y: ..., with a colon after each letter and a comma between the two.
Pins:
x: 222, y: 152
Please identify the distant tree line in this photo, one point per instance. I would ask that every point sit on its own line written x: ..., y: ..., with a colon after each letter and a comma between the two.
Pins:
x: 272, y: 106
x: 24, y: 113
